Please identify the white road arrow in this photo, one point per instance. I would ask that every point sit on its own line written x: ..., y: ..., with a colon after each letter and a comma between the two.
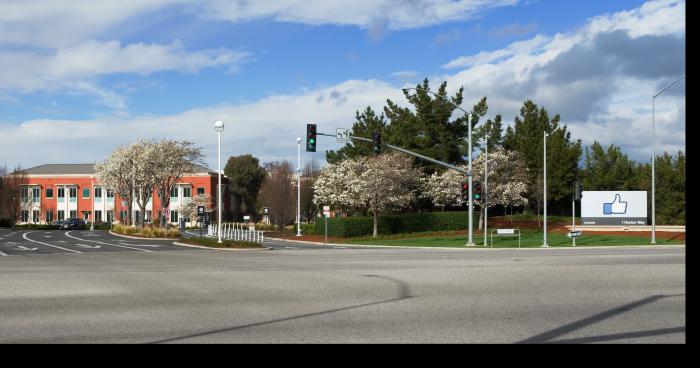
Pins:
x: 88, y: 246
x: 22, y: 247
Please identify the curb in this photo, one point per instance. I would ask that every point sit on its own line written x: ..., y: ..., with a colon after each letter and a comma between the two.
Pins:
x: 480, y: 247
x: 203, y: 247
x: 136, y: 237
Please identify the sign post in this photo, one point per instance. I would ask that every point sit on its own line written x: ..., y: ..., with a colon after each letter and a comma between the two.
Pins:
x: 326, y: 214
x: 200, y: 214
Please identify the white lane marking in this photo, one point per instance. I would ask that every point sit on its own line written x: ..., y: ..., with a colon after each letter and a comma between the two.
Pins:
x: 291, y: 248
x: 89, y: 246
x: 47, y: 236
x: 99, y: 242
x: 3, y: 254
x: 47, y: 232
x: 22, y: 247
x: 54, y: 246
x: 341, y: 248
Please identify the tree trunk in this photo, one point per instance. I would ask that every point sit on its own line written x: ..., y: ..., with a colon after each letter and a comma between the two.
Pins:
x: 374, y: 232
x: 481, y: 218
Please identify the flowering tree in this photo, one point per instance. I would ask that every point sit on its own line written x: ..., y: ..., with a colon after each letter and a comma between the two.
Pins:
x: 189, y: 209
x: 444, y: 189
x: 116, y: 173
x: 507, y: 179
x: 379, y: 184
x: 174, y: 160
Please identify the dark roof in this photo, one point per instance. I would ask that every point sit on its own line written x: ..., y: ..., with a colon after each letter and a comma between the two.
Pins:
x: 81, y: 169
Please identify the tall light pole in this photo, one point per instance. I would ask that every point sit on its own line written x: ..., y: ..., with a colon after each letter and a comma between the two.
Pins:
x: 544, y: 244
x: 298, y: 186
x: 653, y: 159
x: 219, y: 127
x: 470, y: 240
x: 484, y: 199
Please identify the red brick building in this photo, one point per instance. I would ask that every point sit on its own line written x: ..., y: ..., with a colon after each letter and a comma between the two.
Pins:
x: 59, y: 191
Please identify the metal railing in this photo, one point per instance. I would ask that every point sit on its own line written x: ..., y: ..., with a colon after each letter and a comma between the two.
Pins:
x: 236, y: 231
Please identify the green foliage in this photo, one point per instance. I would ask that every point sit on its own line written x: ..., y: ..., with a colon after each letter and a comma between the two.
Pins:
x: 246, y: 177
x: 609, y: 170
x: 365, y: 124
x: 394, y: 224
x: 563, y: 155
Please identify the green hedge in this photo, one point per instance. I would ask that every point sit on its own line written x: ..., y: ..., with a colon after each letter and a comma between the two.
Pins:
x: 347, y: 227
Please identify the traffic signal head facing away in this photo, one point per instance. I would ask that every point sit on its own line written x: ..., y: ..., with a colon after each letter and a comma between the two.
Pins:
x: 310, y: 137
x: 577, y: 190
x: 376, y: 143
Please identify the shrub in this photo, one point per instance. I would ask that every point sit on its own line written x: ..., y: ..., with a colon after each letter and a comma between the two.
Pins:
x: 394, y: 224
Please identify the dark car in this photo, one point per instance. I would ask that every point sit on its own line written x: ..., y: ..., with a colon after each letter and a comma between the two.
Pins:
x: 73, y: 224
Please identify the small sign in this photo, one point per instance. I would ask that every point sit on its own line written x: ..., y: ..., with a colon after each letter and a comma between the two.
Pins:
x: 327, y: 211
x: 246, y: 218
x: 200, y: 210
x: 342, y: 135
x: 574, y: 234
x: 266, y: 210
x: 505, y: 231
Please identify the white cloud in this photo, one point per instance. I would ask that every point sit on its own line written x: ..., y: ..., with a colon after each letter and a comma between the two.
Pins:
x: 366, y: 14
x: 599, y: 78
x: 267, y: 128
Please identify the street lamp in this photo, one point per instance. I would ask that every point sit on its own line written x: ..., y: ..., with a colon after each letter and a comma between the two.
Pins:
x: 544, y: 244
x: 653, y: 159
x: 219, y: 127
x: 470, y: 241
x: 485, y: 197
x: 298, y: 186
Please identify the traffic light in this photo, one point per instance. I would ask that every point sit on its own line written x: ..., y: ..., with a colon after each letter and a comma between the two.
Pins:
x: 465, y: 190
x: 376, y: 143
x: 310, y: 137
x: 577, y: 190
x: 477, y: 191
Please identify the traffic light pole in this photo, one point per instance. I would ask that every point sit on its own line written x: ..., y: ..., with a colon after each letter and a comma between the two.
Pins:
x: 445, y: 164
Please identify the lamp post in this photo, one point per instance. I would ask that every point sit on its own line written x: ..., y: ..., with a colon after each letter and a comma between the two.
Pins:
x: 470, y: 240
x: 484, y: 198
x: 653, y: 159
x: 544, y: 244
x: 219, y: 127
x: 298, y: 186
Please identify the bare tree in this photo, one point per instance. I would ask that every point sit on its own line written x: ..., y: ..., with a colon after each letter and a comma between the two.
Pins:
x: 277, y: 192
x: 12, y: 201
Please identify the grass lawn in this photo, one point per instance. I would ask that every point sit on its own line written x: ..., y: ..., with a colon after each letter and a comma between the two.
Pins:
x: 529, y: 239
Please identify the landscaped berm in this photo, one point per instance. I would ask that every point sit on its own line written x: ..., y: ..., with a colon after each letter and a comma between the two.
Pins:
x: 146, y: 232
x: 443, y: 235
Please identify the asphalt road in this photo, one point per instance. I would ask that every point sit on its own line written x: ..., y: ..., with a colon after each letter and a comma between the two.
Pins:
x: 186, y: 295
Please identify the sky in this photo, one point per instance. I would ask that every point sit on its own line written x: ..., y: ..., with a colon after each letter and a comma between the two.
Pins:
x: 81, y: 77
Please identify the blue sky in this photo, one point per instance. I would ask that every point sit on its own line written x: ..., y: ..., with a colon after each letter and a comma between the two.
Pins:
x: 171, y: 67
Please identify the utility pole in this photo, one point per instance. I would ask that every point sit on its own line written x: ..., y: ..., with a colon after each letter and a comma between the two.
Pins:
x: 298, y: 186
x: 485, y: 198
x: 544, y: 244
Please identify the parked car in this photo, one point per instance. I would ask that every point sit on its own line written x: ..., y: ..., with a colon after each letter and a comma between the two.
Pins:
x: 73, y: 224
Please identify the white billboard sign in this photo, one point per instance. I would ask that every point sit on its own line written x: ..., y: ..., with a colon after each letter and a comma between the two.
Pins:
x: 628, y: 208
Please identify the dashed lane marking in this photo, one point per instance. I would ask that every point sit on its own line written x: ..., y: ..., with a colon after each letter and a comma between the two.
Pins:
x: 99, y: 242
x: 53, y: 246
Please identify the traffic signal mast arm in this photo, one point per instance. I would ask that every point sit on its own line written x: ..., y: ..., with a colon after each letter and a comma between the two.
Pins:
x: 463, y: 171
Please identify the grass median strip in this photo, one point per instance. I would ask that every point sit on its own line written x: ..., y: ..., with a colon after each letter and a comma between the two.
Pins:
x: 528, y: 239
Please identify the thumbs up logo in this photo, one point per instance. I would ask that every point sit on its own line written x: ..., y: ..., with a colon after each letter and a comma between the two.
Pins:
x: 616, y: 207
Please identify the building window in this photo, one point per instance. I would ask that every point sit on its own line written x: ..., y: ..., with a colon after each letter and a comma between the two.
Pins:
x: 86, y: 192
x: 73, y: 194
x: 49, y: 192
x: 98, y: 216
x: 149, y: 215
x: 110, y: 216
x: 73, y: 214
x: 36, y: 195
x: 110, y: 193
x: 49, y: 217
x: 187, y: 192
x: 123, y: 215
x: 61, y: 194
x: 98, y: 192
x: 61, y: 215
x: 36, y: 216
x: 24, y: 216
x: 86, y: 215
x: 200, y: 191
x: 173, y: 216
